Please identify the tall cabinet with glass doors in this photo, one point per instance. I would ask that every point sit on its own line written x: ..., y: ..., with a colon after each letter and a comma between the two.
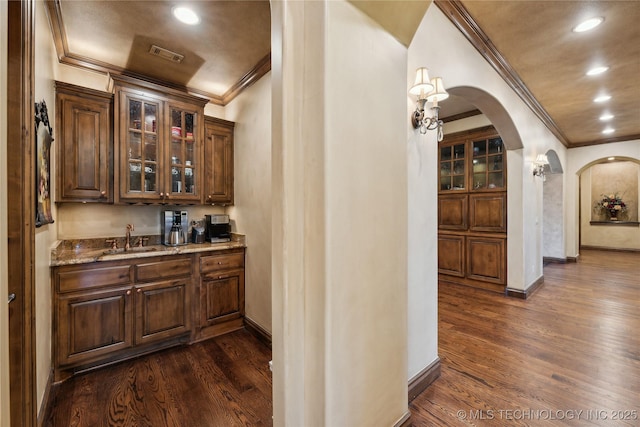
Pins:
x: 472, y: 210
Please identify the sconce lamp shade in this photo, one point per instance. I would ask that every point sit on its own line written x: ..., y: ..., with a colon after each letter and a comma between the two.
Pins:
x: 438, y: 93
x: 423, y: 84
x: 541, y: 159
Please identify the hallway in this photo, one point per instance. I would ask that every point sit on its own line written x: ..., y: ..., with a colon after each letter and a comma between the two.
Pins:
x: 568, y: 355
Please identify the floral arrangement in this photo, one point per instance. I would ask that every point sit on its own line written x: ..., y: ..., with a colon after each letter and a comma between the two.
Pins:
x: 611, y: 204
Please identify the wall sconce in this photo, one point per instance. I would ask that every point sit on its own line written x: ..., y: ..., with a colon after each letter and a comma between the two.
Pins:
x: 538, y: 165
x: 427, y: 90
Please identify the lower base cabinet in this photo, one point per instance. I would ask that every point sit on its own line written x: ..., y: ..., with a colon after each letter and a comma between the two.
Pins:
x: 109, y: 311
x: 473, y: 260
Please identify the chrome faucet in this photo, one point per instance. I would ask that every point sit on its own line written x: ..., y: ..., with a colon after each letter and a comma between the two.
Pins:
x: 127, y: 238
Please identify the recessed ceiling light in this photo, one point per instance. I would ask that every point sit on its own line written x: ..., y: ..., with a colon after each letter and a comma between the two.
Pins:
x: 606, y: 117
x: 602, y: 98
x: 597, y: 70
x: 587, y: 25
x: 608, y: 131
x: 186, y: 15
x: 611, y: 158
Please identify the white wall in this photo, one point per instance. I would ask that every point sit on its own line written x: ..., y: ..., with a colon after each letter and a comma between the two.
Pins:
x: 577, y: 160
x: 251, y: 111
x: 339, y: 156
x: 45, y: 59
x: 553, y: 235
x: 4, y: 311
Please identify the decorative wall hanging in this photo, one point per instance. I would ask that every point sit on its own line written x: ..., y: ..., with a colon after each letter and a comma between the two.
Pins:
x: 43, y: 149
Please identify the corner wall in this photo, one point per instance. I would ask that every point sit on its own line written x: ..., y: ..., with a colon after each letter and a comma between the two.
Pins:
x: 251, y: 111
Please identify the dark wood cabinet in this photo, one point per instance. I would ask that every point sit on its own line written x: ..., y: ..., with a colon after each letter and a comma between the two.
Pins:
x: 218, y: 157
x: 92, y: 325
x: 159, y: 135
x: 113, y: 310
x: 221, y: 293
x: 163, y: 298
x: 472, y: 210
x: 84, y: 122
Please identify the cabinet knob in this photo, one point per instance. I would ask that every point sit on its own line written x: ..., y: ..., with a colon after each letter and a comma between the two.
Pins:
x: 161, y: 194
x: 128, y: 292
x: 103, y: 193
x: 139, y: 290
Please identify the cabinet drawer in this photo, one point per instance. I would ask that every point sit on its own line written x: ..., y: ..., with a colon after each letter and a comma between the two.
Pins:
x: 163, y: 269
x: 221, y: 262
x: 77, y: 279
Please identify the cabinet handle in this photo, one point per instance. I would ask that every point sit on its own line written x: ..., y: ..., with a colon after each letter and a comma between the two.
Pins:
x: 226, y: 276
x: 11, y: 298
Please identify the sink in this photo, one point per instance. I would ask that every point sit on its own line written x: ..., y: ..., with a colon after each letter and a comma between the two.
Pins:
x: 136, y: 249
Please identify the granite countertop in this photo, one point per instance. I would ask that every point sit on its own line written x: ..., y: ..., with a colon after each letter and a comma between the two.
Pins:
x: 82, y: 251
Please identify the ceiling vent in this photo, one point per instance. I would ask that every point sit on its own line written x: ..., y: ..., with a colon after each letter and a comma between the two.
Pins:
x: 166, y: 54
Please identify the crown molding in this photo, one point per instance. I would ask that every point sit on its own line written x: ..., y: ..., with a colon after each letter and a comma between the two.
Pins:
x: 460, y: 17
x: 68, y: 58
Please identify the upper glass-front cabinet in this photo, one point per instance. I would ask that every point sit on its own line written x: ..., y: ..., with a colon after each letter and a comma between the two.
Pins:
x: 141, y: 147
x: 472, y: 165
x: 159, y: 145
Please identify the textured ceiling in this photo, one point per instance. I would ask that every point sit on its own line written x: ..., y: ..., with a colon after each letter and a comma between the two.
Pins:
x: 529, y: 42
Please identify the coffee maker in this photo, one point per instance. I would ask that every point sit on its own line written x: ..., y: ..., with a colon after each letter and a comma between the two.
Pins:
x: 217, y: 228
x: 174, y: 226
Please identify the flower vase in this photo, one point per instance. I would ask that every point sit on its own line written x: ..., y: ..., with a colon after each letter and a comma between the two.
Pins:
x: 613, y: 215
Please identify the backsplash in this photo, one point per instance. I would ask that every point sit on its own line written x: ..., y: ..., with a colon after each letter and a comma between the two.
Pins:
x: 86, y: 220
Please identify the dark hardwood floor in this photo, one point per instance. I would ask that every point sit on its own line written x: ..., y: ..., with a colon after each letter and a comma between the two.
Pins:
x: 570, y: 351
x: 568, y: 355
x: 220, y: 382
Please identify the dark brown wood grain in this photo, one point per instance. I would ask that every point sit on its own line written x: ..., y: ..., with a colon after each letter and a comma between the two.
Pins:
x: 223, y: 381
x: 572, y: 345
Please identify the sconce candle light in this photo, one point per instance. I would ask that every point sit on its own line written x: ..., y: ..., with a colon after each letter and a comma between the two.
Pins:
x: 538, y: 165
x: 428, y: 91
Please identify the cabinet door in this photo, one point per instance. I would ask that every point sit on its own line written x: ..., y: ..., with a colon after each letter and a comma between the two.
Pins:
x: 219, y: 162
x: 488, y: 212
x: 140, y: 147
x: 85, y: 159
x: 162, y: 310
x: 221, y: 297
x: 451, y: 255
x: 486, y: 259
x: 182, y: 177
x: 93, y: 325
x: 452, y: 211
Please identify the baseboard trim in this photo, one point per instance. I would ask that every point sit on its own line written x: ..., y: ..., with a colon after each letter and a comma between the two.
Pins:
x: 404, y: 421
x: 524, y: 294
x: 549, y: 259
x: 424, y: 379
x: 573, y: 258
x: 604, y: 248
x: 258, y: 331
x: 45, y: 406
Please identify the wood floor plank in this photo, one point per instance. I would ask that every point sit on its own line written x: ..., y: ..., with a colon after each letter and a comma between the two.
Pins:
x: 572, y: 346
x: 220, y: 382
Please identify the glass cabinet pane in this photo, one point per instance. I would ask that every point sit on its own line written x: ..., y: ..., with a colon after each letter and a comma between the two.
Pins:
x: 183, y: 152
x: 488, y: 164
x: 142, y: 146
x: 445, y: 153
